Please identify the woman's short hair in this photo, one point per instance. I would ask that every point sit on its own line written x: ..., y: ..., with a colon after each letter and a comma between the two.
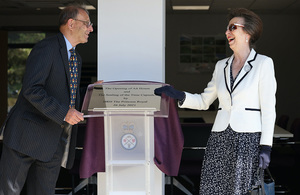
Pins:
x: 70, y: 11
x: 253, y: 24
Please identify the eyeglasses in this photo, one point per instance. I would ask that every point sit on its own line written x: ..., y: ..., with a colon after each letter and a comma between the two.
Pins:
x: 86, y: 23
x: 234, y: 26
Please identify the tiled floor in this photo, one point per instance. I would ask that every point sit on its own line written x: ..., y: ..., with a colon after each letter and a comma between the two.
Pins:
x: 285, y: 168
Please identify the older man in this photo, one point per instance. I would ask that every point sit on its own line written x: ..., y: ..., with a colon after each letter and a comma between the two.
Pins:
x: 39, y: 135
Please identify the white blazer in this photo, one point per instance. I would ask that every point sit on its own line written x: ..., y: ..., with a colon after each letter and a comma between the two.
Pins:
x: 250, y: 105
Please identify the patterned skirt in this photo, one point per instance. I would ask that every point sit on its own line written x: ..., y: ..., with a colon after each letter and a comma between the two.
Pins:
x: 230, y: 165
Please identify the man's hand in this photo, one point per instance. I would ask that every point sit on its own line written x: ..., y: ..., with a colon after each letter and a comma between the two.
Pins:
x: 99, y: 82
x: 73, y: 116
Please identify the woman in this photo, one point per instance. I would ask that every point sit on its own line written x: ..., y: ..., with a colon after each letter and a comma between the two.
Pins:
x: 242, y: 133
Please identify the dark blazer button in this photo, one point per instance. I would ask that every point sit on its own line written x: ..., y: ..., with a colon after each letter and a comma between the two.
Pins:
x: 62, y: 126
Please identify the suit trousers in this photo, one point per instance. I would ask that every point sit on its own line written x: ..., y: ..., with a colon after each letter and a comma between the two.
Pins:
x: 41, y: 177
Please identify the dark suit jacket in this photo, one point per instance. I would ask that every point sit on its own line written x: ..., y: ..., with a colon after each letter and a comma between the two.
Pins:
x: 35, y: 124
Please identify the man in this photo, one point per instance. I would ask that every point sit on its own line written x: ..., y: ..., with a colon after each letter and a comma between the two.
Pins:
x: 39, y: 135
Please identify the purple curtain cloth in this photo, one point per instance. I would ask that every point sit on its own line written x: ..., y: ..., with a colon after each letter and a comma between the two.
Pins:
x: 93, y: 155
x: 168, y: 144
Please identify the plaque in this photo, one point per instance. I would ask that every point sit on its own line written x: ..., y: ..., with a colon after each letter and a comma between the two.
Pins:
x: 124, y: 97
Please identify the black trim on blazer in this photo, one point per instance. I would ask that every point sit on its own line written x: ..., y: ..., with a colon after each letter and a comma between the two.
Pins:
x: 253, y: 58
x: 241, y: 78
x: 226, y: 77
x: 248, y: 109
x: 252, y: 109
x: 251, y: 66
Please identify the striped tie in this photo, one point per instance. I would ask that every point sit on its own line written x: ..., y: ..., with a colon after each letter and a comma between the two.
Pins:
x: 73, y: 69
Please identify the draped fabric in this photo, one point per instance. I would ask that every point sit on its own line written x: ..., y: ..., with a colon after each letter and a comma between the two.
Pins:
x: 168, y: 144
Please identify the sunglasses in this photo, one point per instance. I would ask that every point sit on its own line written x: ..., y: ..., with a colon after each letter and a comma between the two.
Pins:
x: 234, y: 26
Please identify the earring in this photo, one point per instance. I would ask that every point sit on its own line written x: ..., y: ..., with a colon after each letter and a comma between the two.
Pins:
x: 247, y: 40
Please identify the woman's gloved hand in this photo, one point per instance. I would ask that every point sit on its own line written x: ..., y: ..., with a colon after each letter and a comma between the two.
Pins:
x: 171, y: 92
x: 264, y: 156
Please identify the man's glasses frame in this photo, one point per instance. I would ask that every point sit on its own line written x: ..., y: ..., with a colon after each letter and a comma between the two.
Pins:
x: 86, y: 23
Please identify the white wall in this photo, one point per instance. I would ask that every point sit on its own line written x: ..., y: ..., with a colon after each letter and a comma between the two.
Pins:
x: 131, y: 44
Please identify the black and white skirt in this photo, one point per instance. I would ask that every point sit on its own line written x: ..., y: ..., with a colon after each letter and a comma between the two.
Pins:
x: 230, y: 164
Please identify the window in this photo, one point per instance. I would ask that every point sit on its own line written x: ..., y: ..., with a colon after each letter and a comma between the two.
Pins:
x: 19, y: 47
